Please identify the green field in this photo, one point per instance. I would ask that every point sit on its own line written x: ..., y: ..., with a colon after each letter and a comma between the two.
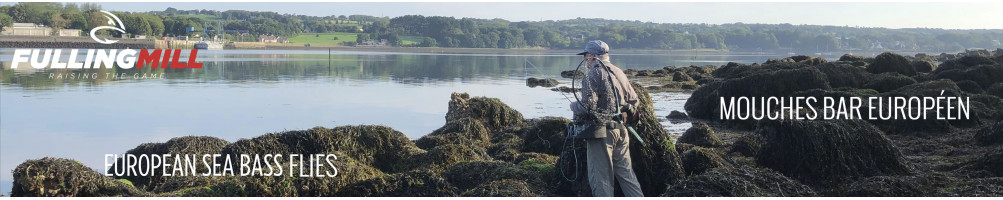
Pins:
x: 324, y: 39
x: 411, y: 40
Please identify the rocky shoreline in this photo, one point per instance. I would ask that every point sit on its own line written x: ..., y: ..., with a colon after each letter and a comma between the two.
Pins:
x: 489, y: 149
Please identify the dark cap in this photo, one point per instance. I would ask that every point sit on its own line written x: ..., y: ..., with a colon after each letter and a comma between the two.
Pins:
x: 597, y: 47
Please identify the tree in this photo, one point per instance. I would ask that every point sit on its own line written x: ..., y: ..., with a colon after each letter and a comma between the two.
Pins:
x: 5, y: 20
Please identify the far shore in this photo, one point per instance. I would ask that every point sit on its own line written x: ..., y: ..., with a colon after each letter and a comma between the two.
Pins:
x: 123, y: 43
x: 86, y: 42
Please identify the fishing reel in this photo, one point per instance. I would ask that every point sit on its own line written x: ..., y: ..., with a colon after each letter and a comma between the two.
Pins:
x: 585, y: 131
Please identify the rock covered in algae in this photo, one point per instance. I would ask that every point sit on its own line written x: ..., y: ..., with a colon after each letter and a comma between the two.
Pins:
x: 57, y: 177
x: 827, y: 153
x: 701, y: 135
x: 494, y: 114
x: 739, y: 182
x: 198, y: 145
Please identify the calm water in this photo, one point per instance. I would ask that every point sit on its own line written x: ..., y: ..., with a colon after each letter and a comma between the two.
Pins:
x: 246, y: 93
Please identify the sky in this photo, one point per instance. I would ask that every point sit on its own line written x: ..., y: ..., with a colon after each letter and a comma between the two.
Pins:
x: 961, y: 15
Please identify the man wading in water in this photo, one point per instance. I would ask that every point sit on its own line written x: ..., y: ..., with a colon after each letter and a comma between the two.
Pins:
x: 607, y: 97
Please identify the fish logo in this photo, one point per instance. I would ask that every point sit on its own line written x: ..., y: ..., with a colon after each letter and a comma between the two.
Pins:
x: 113, y: 20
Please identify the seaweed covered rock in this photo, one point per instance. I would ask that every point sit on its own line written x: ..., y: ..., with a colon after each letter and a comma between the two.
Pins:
x: 443, y: 156
x: 656, y: 163
x: 990, y: 162
x: 544, y: 135
x: 57, y: 177
x: 891, y: 62
x: 897, y: 186
x: 923, y: 65
x: 544, y: 82
x: 378, y: 146
x: 985, y: 75
x: 465, y: 131
x: 417, y: 183
x: 888, y: 81
x: 198, y: 145
x: 347, y: 172
x: 701, y: 135
x: 797, y: 59
x: 468, y: 175
x: 844, y: 75
x: 698, y: 160
x: 503, y: 188
x: 681, y: 77
x: 675, y: 114
x: 494, y: 114
x: 704, y: 103
x: 926, y: 126
x: 850, y: 58
x: 739, y: 182
x: 505, y: 146
x: 992, y: 134
x: 572, y: 74
x: 828, y: 153
x: 747, y: 145
x: 963, y: 63
x: 969, y: 86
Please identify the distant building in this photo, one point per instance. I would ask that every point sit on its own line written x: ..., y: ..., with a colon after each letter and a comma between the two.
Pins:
x: 270, y: 39
x: 33, y: 29
x: 373, y: 43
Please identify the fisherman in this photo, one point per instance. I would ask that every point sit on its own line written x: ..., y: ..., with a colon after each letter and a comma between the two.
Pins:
x: 607, y: 98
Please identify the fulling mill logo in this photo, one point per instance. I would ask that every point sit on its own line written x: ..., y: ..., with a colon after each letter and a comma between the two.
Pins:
x: 113, y: 20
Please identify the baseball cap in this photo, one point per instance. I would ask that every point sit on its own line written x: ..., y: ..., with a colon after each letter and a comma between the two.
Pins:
x: 597, y: 47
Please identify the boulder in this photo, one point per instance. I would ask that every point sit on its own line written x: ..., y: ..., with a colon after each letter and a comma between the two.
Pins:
x: 897, y: 186
x: 465, y: 131
x: 544, y: 82
x: 503, y: 188
x: 572, y: 74
x: 969, y: 86
x: 198, y: 145
x: 850, y: 58
x: 739, y: 182
x: 888, y: 81
x: 675, y: 114
x: 843, y: 75
x: 963, y: 63
x: 698, y: 160
x: 544, y: 135
x: 701, y: 135
x: 923, y: 65
x: 469, y: 175
x: 378, y: 146
x: 827, y: 153
x: 657, y: 164
x: 418, y: 183
x: 984, y: 75
x: 494, y: 114
x: 891, y: 62
x: 704, y: 103
x: 57, y: 177
x: 681, y: 77
x: 349, y: 172
x: 990, y: 135
x: 995, y: 90
x: 747, y: 145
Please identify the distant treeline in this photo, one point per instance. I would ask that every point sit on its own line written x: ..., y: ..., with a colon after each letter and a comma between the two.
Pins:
x: 435, y: 31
